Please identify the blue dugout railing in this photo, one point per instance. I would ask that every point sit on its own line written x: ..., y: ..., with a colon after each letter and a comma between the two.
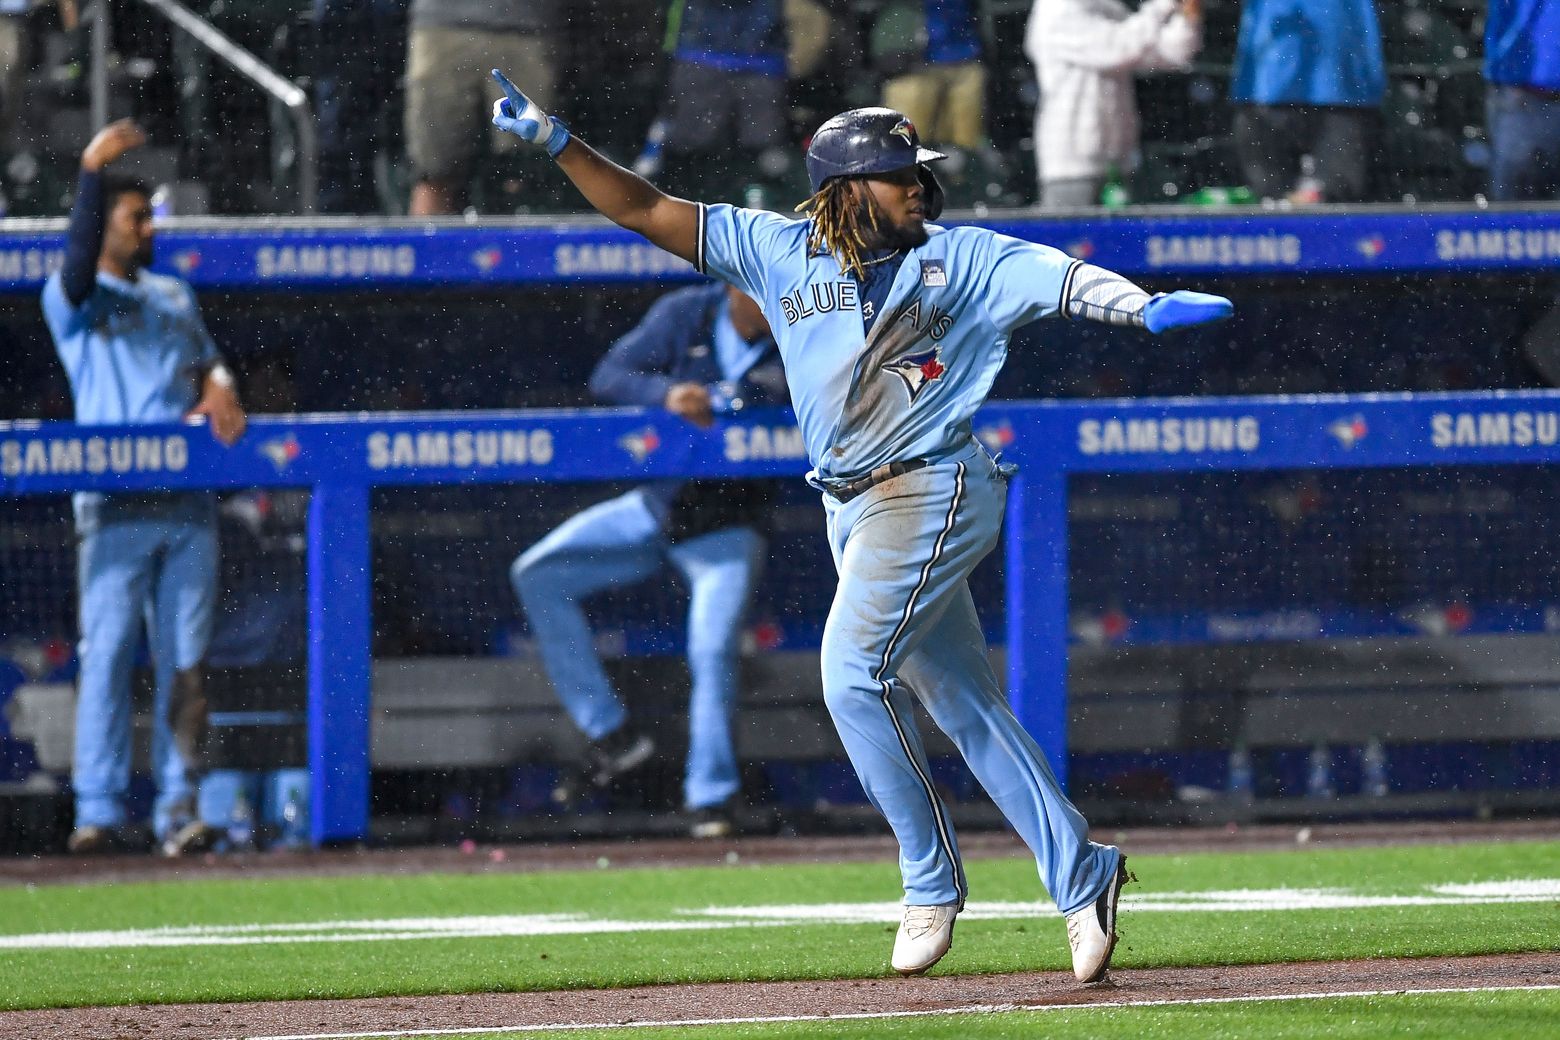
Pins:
x: 1184, y: 242
x: 340, y: 458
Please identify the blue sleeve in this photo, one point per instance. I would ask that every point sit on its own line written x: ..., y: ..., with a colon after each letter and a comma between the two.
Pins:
x: 634, y: 369
x: 64, y: 322
x: 83, y: 239
x: 1024, y: 281
x: 738, y: 245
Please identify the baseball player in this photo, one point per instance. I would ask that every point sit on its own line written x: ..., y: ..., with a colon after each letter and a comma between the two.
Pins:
x: 699, y: 352
x: 891, y: 330
x: 136, y: 351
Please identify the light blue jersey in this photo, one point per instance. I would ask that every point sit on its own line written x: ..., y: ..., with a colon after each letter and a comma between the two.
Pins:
x: 893, y: 373
x: 906, y: 387
x: 135, y: 351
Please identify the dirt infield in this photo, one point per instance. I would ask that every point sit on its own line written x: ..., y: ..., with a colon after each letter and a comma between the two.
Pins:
x: 653, y: 1004
x: 730, y: 1000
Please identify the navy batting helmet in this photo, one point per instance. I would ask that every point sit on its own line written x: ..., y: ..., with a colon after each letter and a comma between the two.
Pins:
x: 872, y: 140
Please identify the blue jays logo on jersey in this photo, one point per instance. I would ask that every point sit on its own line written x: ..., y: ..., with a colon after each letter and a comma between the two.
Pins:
x: 906, y: 130
x: 918, y: 370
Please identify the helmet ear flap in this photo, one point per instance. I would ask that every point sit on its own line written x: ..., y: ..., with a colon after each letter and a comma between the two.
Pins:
x: 933, y: 191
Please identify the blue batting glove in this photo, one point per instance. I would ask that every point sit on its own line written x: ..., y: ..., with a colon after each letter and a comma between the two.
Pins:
x: 1183, y: 309
x: 520, y: 116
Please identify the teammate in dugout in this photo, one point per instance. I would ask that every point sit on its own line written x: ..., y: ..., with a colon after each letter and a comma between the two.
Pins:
x: 136, y: 351
x: 698, y: 352
x: 891, y: 330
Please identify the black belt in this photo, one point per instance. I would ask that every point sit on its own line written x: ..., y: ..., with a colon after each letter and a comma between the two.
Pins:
x: 847, y: 490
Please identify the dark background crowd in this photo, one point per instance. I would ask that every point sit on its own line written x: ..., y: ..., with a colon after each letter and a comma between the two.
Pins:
x: 716, y: 99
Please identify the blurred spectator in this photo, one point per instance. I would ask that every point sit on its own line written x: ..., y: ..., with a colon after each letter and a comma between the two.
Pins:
x: 353, y: 42
x: 809, y: 29
x: 826, y: 62
x: 1309, y: 77
x: 1084, y: 53
x: 930, y: 53
x: 724, y: 107
x: 13, y: 67
x: 14, y: 60
x: 452, y: 48
x: 1522, y: 65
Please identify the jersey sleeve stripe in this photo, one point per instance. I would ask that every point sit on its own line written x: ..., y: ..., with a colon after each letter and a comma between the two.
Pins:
x: 1067, y: 288
x: 698, y: 249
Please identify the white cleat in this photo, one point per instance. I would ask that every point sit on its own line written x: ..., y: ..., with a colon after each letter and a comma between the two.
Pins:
x: 1091, y: 931
x: 925, y: 934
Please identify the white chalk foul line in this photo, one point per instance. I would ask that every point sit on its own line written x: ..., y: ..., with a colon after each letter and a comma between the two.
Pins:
x: 1525, y: 890
x: 971, y: 1009
x: 519, y: 925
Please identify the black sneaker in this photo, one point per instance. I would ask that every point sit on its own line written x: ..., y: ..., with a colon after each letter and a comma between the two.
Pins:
x: 713, y: 821
x: 191, y: 839
x: 93, y: 840
x: 614, y: 755
x: 90, y: 841
x: 619, y: 752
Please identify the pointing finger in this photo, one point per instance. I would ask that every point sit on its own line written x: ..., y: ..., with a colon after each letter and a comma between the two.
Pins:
x: 516, y: 98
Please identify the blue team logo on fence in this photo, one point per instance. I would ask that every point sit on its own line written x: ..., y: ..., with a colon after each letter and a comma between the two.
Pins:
x: 1349, y: 430
x: 641, y: 444
x: 918, y: 370
x: 1100, y: 629
x: 997, y: 438
x: 282, y: 451
x: 1439, y: 619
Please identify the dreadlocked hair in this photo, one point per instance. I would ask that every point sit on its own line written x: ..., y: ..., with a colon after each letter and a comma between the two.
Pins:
x: 837, y: 227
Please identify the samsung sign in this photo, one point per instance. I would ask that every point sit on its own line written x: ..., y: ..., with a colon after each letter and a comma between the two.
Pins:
x: 1223, y: 251
x: 1517, y: 429
x: 1236, y: 433
x: 64, y: 455
x: 335, y: 261
x: 464, y: 449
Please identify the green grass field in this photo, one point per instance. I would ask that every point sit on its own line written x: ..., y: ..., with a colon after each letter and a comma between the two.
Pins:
x: 1411, y: 1016
x: 225, y: 940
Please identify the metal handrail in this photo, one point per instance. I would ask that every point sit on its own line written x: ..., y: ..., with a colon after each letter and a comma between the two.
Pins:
x: 257, y: 72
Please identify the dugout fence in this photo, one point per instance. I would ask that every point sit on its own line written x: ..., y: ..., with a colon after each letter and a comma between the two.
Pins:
x: 1274, y: 573
x: 1458, y: 449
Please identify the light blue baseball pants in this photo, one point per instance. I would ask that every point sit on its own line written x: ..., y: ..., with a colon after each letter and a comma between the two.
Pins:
x: 903, y: 622
x: 161, y: 572
x: 617, y: 542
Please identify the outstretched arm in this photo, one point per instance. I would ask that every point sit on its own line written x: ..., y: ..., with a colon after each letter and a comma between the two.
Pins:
x: 621, y: 196
x: 1095, y: 294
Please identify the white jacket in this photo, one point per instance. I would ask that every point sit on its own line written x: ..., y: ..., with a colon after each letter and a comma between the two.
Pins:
x: 1085, y: 53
